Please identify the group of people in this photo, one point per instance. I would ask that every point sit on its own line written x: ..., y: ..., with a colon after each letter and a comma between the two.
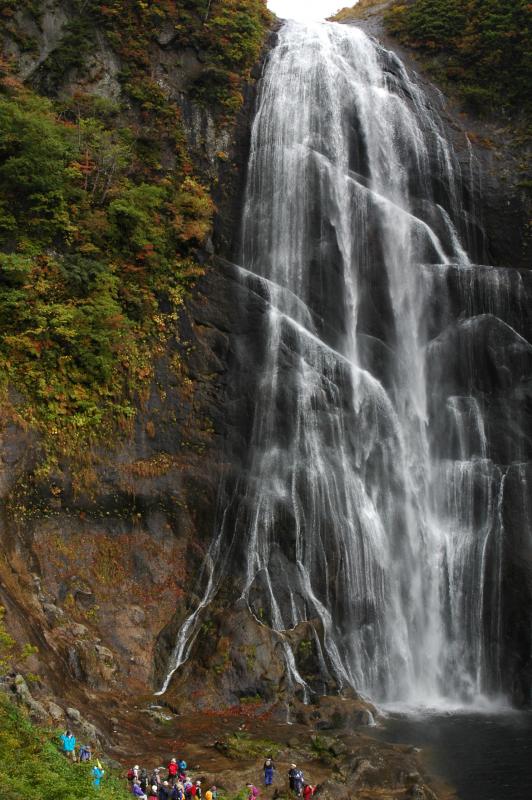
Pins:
x: 177, y: 785
x: 296, y: 781
x: 83, y: 754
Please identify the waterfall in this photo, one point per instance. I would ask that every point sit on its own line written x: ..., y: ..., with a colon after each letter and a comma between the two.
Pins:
x: 371, y: 494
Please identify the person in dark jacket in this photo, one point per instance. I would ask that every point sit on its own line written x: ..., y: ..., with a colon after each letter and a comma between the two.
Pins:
x: 269, y: 768
x: 178, y: 792
x: 85, y: 753
x: 292, y: 772
x: 143, y: 780
x: 164, y: 791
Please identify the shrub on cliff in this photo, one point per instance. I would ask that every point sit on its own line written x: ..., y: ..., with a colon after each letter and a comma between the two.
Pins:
x: 91, y: 247
x: 481, y: 46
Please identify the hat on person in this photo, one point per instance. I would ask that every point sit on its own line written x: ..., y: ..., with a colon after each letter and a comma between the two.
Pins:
x: 154, y: 789
x: 293, y: 765
x: 165, y: 783
x: 198, y: 783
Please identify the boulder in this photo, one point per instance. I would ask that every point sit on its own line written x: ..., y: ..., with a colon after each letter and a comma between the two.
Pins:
x: 36, y: 709
x: 56, y: 712
x: 73, y: 714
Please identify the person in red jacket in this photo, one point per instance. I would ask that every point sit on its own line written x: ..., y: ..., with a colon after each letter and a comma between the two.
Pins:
x: 172, y: 771
x: 308, y: 791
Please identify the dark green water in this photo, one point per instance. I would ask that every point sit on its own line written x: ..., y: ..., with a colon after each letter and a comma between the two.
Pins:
x: 485, y: 757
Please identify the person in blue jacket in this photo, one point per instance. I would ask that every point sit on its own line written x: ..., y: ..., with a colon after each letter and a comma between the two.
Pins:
x: 98, y: 774
x: 68, y: 740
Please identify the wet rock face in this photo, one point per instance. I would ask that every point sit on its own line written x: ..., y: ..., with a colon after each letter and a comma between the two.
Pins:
x: 517, y: 582
x: 116, y: 559
x: 236, y: 661
x: 481, y: 409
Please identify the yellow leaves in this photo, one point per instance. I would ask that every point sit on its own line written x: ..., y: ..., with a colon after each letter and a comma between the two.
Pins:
x: 193, y: 210
x: 88, y: 248
x: 10, y: 651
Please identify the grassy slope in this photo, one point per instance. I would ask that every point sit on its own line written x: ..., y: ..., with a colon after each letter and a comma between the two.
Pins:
x: 31, y: 765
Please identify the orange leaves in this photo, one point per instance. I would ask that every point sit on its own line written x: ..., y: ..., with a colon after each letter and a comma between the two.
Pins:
x: 192, y: 212
x: 146, y: 253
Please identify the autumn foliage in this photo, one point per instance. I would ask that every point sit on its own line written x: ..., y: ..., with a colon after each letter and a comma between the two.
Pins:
x: 483, y: 47
x: 102, y: 207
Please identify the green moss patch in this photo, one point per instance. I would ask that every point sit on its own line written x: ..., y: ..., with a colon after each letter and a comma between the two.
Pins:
x: 243, y: 746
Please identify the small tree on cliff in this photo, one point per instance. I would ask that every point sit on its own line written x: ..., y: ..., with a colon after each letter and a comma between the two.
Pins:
x: 10, y: 652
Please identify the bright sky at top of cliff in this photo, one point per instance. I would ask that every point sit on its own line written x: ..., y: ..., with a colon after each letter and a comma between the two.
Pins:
x: 306, y: 9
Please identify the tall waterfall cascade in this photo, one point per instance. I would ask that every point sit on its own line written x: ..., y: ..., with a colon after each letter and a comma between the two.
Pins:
x: 380, y: 444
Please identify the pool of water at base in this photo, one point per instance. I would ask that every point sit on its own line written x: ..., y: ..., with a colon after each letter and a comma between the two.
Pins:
x: 483, y: 756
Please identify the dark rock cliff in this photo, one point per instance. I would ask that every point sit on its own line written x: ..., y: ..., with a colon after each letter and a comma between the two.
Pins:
x: 103, y: 555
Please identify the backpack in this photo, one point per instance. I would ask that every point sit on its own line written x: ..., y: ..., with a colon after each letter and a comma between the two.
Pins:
x: 130, y: 774
x: 84, y: 753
